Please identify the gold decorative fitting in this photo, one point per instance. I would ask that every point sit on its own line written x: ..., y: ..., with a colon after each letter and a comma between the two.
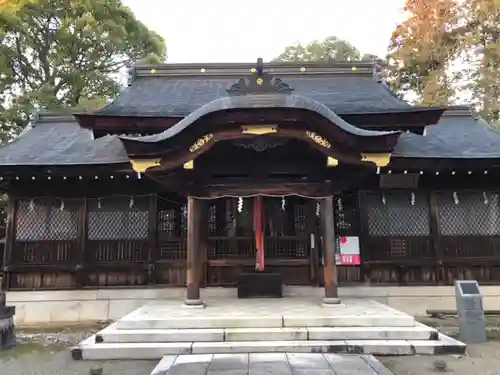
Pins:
x: 259, y: 81
x: 318, y: 139
x: 140, y: 165
x: 253, y: 70
x: 302, y: 69
x: 189, y: 164
x: 331, y: 162
x: 380, y: 160
x: 259, y: 129
x: 202, y: 70
x: 153, y: 71
x: 201, y: 142
x: 354, y: 68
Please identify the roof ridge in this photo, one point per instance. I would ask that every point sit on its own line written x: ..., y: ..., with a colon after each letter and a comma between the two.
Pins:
x: 53, y: 116
x: 460, y: 111
x: 233, y: 70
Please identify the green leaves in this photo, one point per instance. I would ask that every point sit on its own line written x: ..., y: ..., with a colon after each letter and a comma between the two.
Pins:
x: 60, y: 53
x: 329, y: 49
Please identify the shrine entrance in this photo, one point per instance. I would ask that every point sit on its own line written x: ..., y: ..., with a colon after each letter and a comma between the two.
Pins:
x: 290, y: 226
x: 274, y: 147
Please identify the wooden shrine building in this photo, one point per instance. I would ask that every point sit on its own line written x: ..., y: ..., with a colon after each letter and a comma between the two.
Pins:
x: 198, y: 173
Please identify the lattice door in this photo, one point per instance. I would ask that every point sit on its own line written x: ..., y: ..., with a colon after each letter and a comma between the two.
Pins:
x: 230, y: 228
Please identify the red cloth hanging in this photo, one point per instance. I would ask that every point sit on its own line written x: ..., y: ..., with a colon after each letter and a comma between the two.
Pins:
x: 258, y: 228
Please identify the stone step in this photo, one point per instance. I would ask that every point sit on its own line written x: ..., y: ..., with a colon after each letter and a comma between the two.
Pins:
x: 113, y: 335
x: 90, y: 350
x: 137, y: 321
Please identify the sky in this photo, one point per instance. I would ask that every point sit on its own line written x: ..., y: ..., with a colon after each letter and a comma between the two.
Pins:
x: 242, y: 31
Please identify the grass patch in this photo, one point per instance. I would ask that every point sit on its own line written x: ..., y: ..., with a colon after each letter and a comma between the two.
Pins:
x: 29, y: 349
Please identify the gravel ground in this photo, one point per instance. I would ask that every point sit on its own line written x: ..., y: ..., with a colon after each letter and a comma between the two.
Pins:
x: 45, y: 352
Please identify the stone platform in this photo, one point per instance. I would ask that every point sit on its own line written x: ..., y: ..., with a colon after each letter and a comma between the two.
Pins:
x: 264, y: 325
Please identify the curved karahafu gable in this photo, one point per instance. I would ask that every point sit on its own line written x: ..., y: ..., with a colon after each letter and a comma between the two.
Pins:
x: 259, y: 102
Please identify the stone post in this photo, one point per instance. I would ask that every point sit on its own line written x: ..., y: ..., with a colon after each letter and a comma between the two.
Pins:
x: 7, y: 332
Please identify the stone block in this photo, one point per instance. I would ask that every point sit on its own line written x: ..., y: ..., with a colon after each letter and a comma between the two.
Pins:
x: 122, y: 307
x: 52, y: 295
x: 89, y: 350
x: 379, y: 347
x: 387, y: 320
x: 270, y: 347
x: 163, y: 366
x: 267, y: 334
x: 145, y: 322
x: 141, y: 294
x: 93, y: 311
x: 370, y: 333
x: 111, y: 334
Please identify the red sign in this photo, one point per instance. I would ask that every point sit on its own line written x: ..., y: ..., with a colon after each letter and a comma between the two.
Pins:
x: 349, y: 251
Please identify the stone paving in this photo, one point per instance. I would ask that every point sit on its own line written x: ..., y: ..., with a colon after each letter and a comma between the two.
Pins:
x: 270, y: 363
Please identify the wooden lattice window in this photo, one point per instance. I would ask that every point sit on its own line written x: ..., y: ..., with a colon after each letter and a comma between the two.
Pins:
x: 47, y: 219
x: 468, y: 213
x: 118, y: 218
x: 397, y: 213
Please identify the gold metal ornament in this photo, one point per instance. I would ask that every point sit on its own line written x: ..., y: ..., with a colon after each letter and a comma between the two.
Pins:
x: 260, y: 81
x: 140, y: 165
x: 189, y: 164
x: 380, y: 160
x: 201, y: 142
x: 318, y: 139
x: 332, y: 162
x: 259, y: 129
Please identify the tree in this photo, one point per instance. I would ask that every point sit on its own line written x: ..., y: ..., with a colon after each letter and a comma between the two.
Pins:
x: 61, y: 53
x: 331, y: 48
x: 481, y: 45
x: 422, y: 48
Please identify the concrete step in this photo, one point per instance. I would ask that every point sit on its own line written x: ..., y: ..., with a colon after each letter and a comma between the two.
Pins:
x: 138, y: 321
x: 111, y: 334
x: 90, y: 350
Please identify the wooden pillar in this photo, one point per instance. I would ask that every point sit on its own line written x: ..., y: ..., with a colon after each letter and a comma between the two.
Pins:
x: 194, y: 255
x: 152, y: 237
x: 10, y: 234
x: 80, y: 270
x: 203, y: 225
x: 328, y: 247
x: 435, y: 238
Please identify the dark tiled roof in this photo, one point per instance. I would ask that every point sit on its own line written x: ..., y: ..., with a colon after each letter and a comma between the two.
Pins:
x: 456, y: 136
x: 59, y: 140
x: 178, y: 90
